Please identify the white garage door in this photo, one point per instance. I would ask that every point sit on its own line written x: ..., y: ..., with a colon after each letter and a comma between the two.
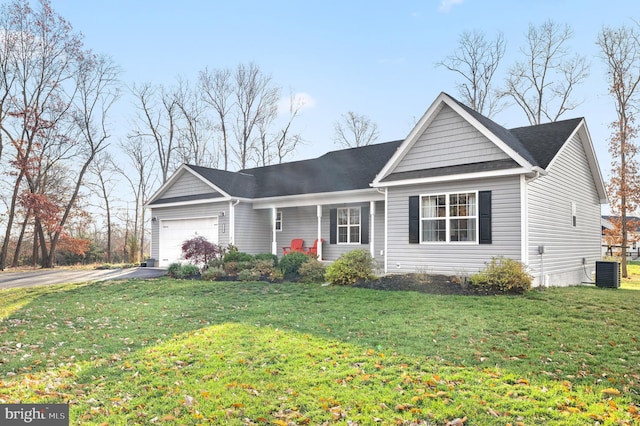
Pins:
x: 174, y: 232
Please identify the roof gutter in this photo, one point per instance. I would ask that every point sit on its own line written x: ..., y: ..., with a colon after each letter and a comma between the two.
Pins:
x: 539, y: 171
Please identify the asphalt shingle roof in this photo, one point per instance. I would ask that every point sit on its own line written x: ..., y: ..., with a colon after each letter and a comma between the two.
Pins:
x: 343, y: 170
x: 356, y: 168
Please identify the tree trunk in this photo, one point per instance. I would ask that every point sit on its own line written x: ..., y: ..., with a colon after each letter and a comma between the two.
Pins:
x: 16, y: 252
x: 11, y: 213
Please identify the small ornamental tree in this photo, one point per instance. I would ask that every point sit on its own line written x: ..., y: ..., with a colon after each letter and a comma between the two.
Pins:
x: 199, y: 250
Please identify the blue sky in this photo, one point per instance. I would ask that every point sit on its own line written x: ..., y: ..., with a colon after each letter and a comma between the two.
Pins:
x: 376, y: 58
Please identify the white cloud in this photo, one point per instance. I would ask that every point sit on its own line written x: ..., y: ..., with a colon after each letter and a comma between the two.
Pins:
x: 446, y: 5
x: 300, y: 99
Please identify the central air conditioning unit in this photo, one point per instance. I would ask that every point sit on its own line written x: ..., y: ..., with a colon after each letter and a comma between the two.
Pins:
x: 608, y: 274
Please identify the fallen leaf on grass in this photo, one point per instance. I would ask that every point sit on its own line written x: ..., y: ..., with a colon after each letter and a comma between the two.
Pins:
x: 611, y: 391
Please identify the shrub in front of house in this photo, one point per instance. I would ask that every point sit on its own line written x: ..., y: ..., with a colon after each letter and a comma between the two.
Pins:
x: 351, y: 267
x: 263, y: 267
x: 275, y: 276
x: 312, y: 271
x: 237, y: 256
x: 290, y: 264
x: 267, y: 256
x: 248, y: 275
x: 189, y: 272
x: 173, y: 270
x: 502, y: 275
x: 214, y: 274
x: 199, y: 250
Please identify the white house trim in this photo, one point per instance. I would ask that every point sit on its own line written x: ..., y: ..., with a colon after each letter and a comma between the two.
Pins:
x: 188, y: 203
x: 356, y: 196
x: 466, y: 176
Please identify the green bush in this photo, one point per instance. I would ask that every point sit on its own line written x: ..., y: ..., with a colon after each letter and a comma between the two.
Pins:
x: 502, y: 275
x: 189, y: 272
x: 312, y: 271
x: 267, y: 256
x: 290, y: 264
x: 276, y: 276
x: 248, y: 275
x: 173, y: 270
x: 357, y: 265
x: 213, y: 274
x: 230, y: 268
x: 237, y: 256
x: 263, y: 267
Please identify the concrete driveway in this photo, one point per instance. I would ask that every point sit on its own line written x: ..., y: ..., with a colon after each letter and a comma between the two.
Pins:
x: 62, y: 276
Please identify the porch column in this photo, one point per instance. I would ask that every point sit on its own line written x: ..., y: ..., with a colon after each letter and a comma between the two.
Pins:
x: 274, y: 241
x: 372, y: 227
x: 319, y: 215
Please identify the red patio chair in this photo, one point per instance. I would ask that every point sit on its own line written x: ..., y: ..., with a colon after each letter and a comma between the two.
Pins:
x: 313, y: 251
x: 296, y: 245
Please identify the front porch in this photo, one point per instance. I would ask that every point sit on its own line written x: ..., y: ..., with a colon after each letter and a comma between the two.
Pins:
x: 338, y: 228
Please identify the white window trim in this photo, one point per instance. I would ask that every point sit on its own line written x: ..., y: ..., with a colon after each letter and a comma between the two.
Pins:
x: 448, y: 218
x: 279, y: 221
x: 574, y: 215
x: 348, y: 226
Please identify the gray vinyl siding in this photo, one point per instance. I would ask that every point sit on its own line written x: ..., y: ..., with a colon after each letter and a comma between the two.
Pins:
x: 569, y: 180
x: 302, y: 222
x: 252, y: 229
x: 187, y: 184
x: 449, y: 140
x: 334, y: 251
x: 454, y: 258
x: 299, y: 222
x: 378, y: 233
x: 189, y: 212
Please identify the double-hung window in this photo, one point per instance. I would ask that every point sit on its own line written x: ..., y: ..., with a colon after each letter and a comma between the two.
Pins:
x: 449, y: 217
x: 348, y: 225
x: 279, y: 220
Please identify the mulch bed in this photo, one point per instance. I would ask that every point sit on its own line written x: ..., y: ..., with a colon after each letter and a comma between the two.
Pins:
x: 423, y: 283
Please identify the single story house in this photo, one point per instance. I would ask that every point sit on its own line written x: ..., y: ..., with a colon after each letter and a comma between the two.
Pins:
x: 457, y: 191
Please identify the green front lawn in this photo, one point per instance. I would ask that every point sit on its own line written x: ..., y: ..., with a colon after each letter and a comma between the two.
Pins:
x: 190, y: 352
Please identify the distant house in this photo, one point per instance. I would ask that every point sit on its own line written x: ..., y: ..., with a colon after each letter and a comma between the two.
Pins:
x: 457, y: 191
x: 611, y: 244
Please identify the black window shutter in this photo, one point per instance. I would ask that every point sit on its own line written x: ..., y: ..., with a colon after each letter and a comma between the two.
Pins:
x: 484, y: 216
x: 414, y: 219
x: 364, y: 225
x: 333, y: 226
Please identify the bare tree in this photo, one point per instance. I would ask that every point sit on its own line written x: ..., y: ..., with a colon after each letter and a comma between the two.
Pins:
x: 264, y: 149
x: 140, y: 183
x: 103, y: 168
x: 286, y: 143
x: 542, y: 85
x: 193, y: 128
x: 157, y: 123
x: 355, y: 130
x: 255, y: 98
x: 40, y: 57
x: 621, y: 51
x: 97, y: 90
x: 476, y: 60
x: 217, y: 87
